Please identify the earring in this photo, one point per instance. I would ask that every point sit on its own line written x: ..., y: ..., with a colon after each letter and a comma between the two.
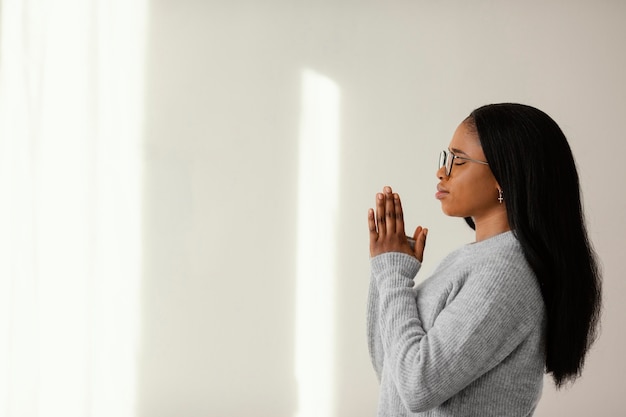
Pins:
x: 500, y: 196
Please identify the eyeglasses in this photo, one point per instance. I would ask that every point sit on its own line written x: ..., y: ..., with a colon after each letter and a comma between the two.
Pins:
x: 446, y: 159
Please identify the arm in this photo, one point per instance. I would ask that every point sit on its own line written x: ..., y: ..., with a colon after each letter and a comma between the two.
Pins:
x: 374, y: 342
x: 485, y: 322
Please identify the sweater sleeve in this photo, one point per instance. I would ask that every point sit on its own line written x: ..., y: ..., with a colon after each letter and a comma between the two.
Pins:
x: 375, y: 344
x: 478, y: 329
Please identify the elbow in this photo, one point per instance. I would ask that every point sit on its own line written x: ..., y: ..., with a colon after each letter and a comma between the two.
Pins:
x: 416, y: 397
x: 419, y: 385
x: 415, y: 405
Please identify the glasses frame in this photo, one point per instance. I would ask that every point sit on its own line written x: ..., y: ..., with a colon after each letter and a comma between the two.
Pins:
x: 447, y: 162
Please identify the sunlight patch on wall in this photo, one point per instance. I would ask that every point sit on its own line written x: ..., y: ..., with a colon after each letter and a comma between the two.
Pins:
x: 71, y: 96
x: 317, y: 220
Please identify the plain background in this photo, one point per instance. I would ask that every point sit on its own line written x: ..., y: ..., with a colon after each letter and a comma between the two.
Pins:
x: 223, y: 96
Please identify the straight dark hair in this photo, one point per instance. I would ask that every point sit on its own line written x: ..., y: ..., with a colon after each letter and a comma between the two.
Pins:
x: 533, y: 164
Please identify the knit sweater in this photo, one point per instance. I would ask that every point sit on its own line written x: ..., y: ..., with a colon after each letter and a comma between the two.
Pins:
x: 468, y: 341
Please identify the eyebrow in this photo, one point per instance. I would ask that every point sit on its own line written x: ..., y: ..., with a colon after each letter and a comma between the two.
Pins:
x: 455, y: 151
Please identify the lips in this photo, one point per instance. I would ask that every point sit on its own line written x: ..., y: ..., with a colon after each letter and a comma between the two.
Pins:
x: 441, y: 192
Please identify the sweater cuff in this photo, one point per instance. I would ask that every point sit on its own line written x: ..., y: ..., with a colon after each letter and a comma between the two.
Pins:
x: 396, y: 267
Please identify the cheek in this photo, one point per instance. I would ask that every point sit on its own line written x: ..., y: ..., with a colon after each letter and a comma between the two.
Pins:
x: 486, y: 195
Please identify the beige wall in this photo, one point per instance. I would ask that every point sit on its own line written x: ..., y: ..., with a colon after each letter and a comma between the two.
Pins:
x: 223, y: 130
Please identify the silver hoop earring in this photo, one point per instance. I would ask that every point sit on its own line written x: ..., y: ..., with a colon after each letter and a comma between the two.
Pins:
x: 500, y: 196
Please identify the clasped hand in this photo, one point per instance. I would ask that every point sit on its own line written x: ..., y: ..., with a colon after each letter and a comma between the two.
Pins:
x: 387, y: 228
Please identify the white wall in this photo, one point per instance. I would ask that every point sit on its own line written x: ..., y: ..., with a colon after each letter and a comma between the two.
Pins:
x: 223, y: 130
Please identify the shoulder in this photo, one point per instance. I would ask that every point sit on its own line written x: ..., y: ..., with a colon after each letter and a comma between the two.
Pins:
x: 499, y: 254
x: 500, y: 270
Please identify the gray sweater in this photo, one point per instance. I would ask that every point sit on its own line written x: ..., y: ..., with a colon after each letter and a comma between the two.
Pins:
x: 468, y: 341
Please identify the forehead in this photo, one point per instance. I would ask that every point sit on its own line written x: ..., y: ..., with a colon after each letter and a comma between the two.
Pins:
x: 465, y: 141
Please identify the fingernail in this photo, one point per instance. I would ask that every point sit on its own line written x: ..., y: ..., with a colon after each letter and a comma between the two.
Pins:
x: 396, y: 197
x: 380, y: 196
x: 388, y: 190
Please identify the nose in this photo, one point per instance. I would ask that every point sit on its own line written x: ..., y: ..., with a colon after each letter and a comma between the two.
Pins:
x: 441, y: 173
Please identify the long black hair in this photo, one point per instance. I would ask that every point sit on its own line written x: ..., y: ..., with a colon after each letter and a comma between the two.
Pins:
x: 533, y: 164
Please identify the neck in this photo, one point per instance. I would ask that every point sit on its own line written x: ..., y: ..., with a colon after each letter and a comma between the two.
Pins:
x: 491, y: 225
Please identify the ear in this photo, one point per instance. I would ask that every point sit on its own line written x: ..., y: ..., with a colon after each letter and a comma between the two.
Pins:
x: 497, y: 185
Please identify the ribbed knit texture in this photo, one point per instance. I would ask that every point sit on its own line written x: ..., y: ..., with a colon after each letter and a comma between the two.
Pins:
x: 468, y: 341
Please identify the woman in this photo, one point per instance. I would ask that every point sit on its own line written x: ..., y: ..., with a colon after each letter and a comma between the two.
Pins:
x: 476, y: 337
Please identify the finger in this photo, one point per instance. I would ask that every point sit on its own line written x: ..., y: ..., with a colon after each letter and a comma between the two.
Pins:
x: 398, y: 213
x: 390, y: 211
x: 380, y: 215
x: 371, y: 223
x: 420, y: 236
x: 417, y: 232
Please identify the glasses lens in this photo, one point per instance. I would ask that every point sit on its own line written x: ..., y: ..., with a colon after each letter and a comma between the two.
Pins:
x: 445, y: 161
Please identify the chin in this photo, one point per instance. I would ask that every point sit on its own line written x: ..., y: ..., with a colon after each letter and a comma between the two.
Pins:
x: 453, y: 213
x: 448, y: 211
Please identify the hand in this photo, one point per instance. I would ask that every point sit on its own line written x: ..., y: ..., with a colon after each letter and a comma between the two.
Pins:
x: 387, y: 228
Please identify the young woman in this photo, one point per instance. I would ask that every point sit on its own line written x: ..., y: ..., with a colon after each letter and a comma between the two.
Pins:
x: 476, y: 338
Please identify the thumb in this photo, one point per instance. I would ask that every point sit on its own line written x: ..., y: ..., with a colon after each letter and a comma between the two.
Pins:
x: 420, y: 236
